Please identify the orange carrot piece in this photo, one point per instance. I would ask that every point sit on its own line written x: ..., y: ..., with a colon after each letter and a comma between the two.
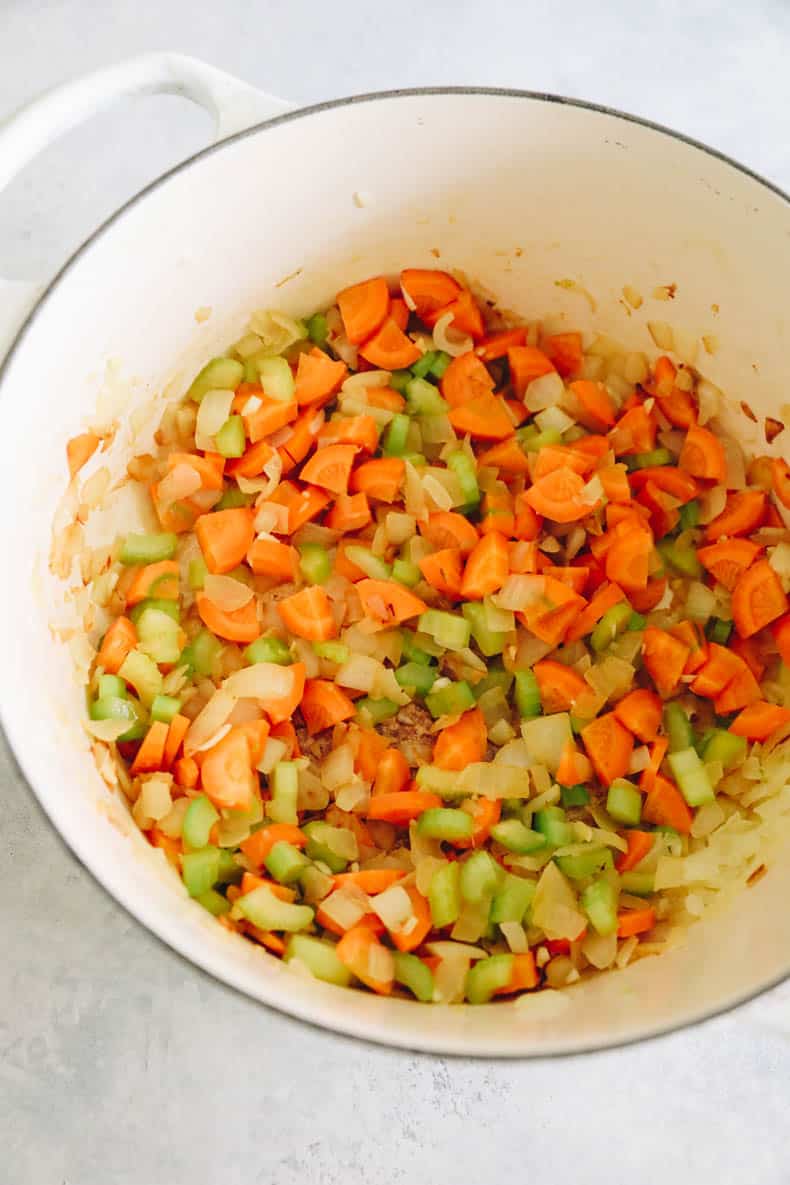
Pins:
x: 780, y: 481
x: 728, y: 560
x: 257, y: 847
x: 371, y: 747
x: 751, y: 652
x: 781, y: 635
x: 428, y: 289
x: 250, y: 881
x: 385, y: 398
x: 680, y: 485
x: 742, y: 514
x: 399, y: 311
x: 381, y: 479
x: 757, y: 599
x: 120, y: 639
x: 150, y: 755
x: 237, y: 625
x: 720, y: 668
x: 640, y: 711
x: 448, y: 529
x: 252, y: 463
x: 444, y: 571
x: 330, y: 467
x: 560, y: 686
x: 527, y: 363
x: 358, y: 430
x: 666, y: 806
x: 609, y: 746
x: 703, y: 455
x: 350, y: 512
x: 302, y: 503
x: 485, y: 417
x: 486, y: 568
x: 635, y: 921
x: 409, y: 938
x: 466, y: 315
x: 176, y: 731
x: 302, y: 436
x: 523, y: 556
x: 644, y: 600
x: 691, y: 635
x: 485, y: 814
x: 665, y: 658
x: 528, y: 522
x: 388, y: 602
x: 596, y: 402
x: 508, y: 456
x: 186, y: 772
x: 497, y: 512
x: 227, y: 774
x: 392, y: 773
x: 739, y: 693
x: 402, y: 807
x: 574, y: 768
x: 634, y: 432
x: 369, y: 880
x: 565, y: 351
x: 354, y: 950
x: 308, y: 614
x: 210, y: 468
x: 627, y: 560
x: 639, y: 844
x: 603, y: 600
x: 616, y: 486
x: 558, y: 496
x: 523, y: 977
x: 363, y: 308
x: 317, y: 377
x: 552, y: 615
x: 561, y: 456
x: 257, y: 733
x: 276, y: 560
x: 759, y: 719
x: 324, y: 705
x: 154, y: 580
x: 271, y: 416
x: 225, y: 537
x: 462, y: 743
x: 497, y: 345
x: 390, y: 348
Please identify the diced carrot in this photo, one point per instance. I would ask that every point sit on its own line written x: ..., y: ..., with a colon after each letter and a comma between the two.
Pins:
x: 703, y: 455
x: 496, y: 512
x: 282, y: 726
x: 150, y: 755
x: 172, y: 848
x: 635, y: 921
x: 272, y: 415
x: 272, y: 942
x: 664, y: 515
x: 780, y: 631
x: 399, y: 311
x: 400, y: 808
x: 528, y: 522
x: 385, y: 398
x: 349, y: 512
x: 409, y: 937
x: 154, y: 580
x: 757, y: 599
x: 444, y: 571
x: 388, y: 602
x: 728, y: 560
x: 210, y: 468
x: 354, y: 950
x: 560, y: 456
x: 634, y: 432
x: 276, y: 560
x: 302, y: 436
x: 552, y: 615
x: 739, y: 693
x: 523, y: 556
x: 527, y: 363
x: 558, y: 496
x: 462, y: 743
x: 640, y: 711
x: 487, y: 567
x: 644, y: 600
x: 448, y: 529
x: 720, y: 668
x: 616, y: 486
x: 226, y: 772
x: 177, y: 517
x: 676, y: 405
x: 79, y: 451
x: 560, y: 686
x: 507, y: 456
x: 742, y: 514
x: 302, y: 503
x: 636, y: 515
x: 186, y: 772
x: 497, y: 345
x: 691, y: 635
x: 466, y: 315
x: 669, y: 479
x: 390, y: 348
x: 257, y: 847
x: 120, y: 639
x: 757, y: 721
x: 250, y: 881
x: 429, y: 290
x: 597, y: 404
x: 665, y: 658
x: 381, y: 479
x: 485, y: 814
x: 318, y: 377
x: 225, y: 537
x: 565, y: 351
x: 330, y: 467
x: 658, y: 751
x: 308, y: 614
x: 781, y: 481
x: 359, y: 430
x: 574, y: 768
x: 639, y: 844
x: 324, y: 705
x: 370, y: 748
x: 523, y: 977
x: 609, y: 746
x: 257, y: 733
x: 593, y: 445
x: 237, y: 625
x: 575, y: 576
x: 485, y: 417
x: 627, y: 560
x: 392, y: 773
x: 363, y: 308
x: 343, y: 565
x: 176, y: 731
x: 751, y: 652
x: 604, y: 599
x: 666, y: 806
x: 252, y: 463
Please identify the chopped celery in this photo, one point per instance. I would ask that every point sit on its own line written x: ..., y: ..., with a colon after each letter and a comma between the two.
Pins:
x: 624, y: 803
x: 487, y: 976
x: 443, y: 782
x: 583, y: 864
x: 377, y: 710
x: 202, y: 653
x: 599, y: 902
x: 314, y: 563
x: 414, y: 975
x: 169, y: 607
x: 111, y: 685
x: 641, y: 884
x: 513, y: 899
x: 143, y: 674
x: 423, y: 399
x: 317, y: 329
x: 268, y: 650
x: 449, y: 630
x: 200, y: 817
x: 574, y: 796
x: 444, y: 895
x: 533, y: 441
x: 497, y: 677
x: 214, y: 902
x: 332, y: 651
x: 277, y: 378
x: 318, y: 956
x: 725, y: 747
x: 718, y: 630
x: 197, y: 573
x: 285, y: 863
x: 148, y: 549
x: 682, y: 558
x: 637, y: 621
x: 489, y: 642
x: 229, y: 870
x: 463, y: 467
x: 250, y: 371
x: 552, y: 823
x: 231, y: 440
x: 656, y: 457
x: 200, y: 870
x: 450, y: 700
x: 395, y: 438
x: 164, y: 708
x: 263, y: 909
x: 411, y: 651
x: 220, y: 374
x: 613, y: 622
x: 159, y: 636
x: 527, y: 695
x: 285, y: 792
x: 691, y: 777
x: 417, y: 677
x: 440, y: 363
x: 445, y: 823
x: 423, y: 365
x: 677, y: 727
x: 319, y: 839
x: 479, y: 876
x: 399, y: 380
x: 516, y: 837
x: 416, y: 459
x: 405, y: 572
x: 372, y: 565
x: 689, y: 515
x: 114, y: 707
x: 233, y: 498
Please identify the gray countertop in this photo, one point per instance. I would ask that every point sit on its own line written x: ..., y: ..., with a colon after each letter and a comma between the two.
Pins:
x: 120, y: 1064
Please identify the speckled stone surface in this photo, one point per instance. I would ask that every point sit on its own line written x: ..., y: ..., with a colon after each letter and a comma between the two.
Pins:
x: 120, y: 1064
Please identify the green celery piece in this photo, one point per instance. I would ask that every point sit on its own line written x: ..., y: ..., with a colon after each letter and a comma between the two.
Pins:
x: 148, y: 549
x: 411, y: 651
x: 395, y: 439
x: 197, y: 573
x: 624, y: 803
x: 689, y: 515
x: 641, y: 884
x: 682, y: 559
x: 479, y: 876
x: 489, y: 642
x: 200, y: 817
x: 113, y: 707
x: 584, y: 864
x: 423, y: 399
x: 512, y: 900
x: 443, y: 782
x: 159, y: 636
x: 214, y: 902
x: 277, y: 378
x: 232, y: 498
x: 657, y: 457
x: 487, y: 976
x: 405, y: 572
x: 516, y: 837
x: 613, y: 622
x: 231, y: 440
x: 599, y: 902
x: 268, y: 650
x: 319, y: 957
x: 169, y: 607
x: 440, y: 364
x: 417, y: 677
x: 497, y: 677
x: 143, y: 674
x: 444, y: 895
x: 372, y: 565
x: 377, y: 710
x: 718, y: 630
x: 202, y: 654
x: 317, y: 329
x: 423, y: 365
x: 285, y: 792
x: 552, y: 823
x: 691, y: 777
x: 220, y: 374
x: 445, y: 823
x: 314, y: 563
x: 263, y: 909
x: 725, y: 747
x: 574, y: 796
x: 200, y: 870
x: 637, y: 621
x: 285, y: 863
x: 677, y: 727
x: 448, y: 629
x: 527, y: 695
x: 111, y: 685
x: 451, y: 700
x: 318, y: 836
x: 399, y: 379
x: 164, y: 708
x: 463, y: 467
x: 332, y: 651
x: 534, y: 442
x: 229, y: 870
x: 413, y: 974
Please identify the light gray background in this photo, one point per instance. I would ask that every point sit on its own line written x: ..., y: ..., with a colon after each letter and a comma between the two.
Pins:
x: 120, y: 1064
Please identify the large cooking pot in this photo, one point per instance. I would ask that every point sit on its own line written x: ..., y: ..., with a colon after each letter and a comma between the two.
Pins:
x: 521, y: 191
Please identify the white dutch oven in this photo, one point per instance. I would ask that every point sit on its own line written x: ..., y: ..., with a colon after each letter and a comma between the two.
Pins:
x: 520, y: 191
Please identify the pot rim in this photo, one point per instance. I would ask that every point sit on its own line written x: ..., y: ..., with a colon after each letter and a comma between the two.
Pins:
x: 308, y: 1014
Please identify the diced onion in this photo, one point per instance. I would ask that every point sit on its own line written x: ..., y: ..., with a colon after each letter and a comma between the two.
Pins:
x: 210, y: 719
x: 700, y: 601
x: 661, y: 334
x: 273, y: 751
x: 182, y: 482
x: 270, y: 516
x: 709, y: 399
x: 736, y: 465
x: 546, y: 737
x: 154, y: 800
x: 357, y: 384
x: 226, y: 592
x: 346, y: 906
x: 448, y: 950
x: 337, y: 768
x: 399, y: 527
x: 554, y: 418
x: 515, y: 936
x: 381, y: 965
x: 393, y: 906
x: 599, y: 949
x: 213, y: 412
x: 449, y: 340
x: 359, y: 673
x: 519, y: 592
x: 543, y: 392
x: 264, y: 680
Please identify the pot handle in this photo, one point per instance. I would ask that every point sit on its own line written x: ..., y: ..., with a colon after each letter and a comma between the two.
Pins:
x: 234, y: 104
